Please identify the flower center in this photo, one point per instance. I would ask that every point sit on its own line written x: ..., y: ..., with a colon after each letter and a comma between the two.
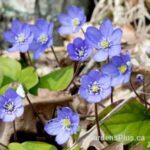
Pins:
x: 66, y: 123
x: 43, y: 38
x: 123, y: 69
x: 75, y: 22
x: 9, y: 106
x: 104, y: 44
x: 94, y: 88
x: 81, y: 53
x: 21, y: 38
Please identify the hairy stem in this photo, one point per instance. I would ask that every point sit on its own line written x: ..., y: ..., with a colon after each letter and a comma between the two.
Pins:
x: 112, y: 91
x: 15, y: 132
x: 53, y: 51
x: 3, y: 145
x: 134, y: 90
x: 75, y: 74
x: 33, y: 109
x: 82, y: 31
x: 97, y: 122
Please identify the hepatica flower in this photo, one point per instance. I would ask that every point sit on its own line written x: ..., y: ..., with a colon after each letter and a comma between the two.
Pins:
x: 95, y: 87
x: 105, y: 39
x: 79, y: 50
x: 72, y: 21
x: 20, y: 36
x: 66, y: 124
x: 43, y: 39
x: 119, y: 69
x: 11, y: 106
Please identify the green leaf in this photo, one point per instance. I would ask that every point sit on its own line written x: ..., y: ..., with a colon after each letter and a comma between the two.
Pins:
x: 131, y: 124
x: 10, y: 68
x: 1, y: 78
x: 57, y: 80
x: 28, y: 77
x: 38, y: 146
x: 15, y: 146
x: 4, y: 88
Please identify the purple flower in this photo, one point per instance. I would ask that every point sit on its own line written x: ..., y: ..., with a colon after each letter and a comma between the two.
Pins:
x: 20, y: 36
x: 95, y: 87
x: 72, y: 21
x: 11, y: 106
x: 140, y: 78
x: 105, y: 39
x: 119, y: 69
x: 66, y: 124
x: 79, y: 50
x: 43, y: 39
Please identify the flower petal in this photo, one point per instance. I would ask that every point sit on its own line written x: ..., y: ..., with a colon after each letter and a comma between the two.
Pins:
x: 62, y: 137
x: 53, y: 127
x: 106, y: 28
x: 116, y: 36
x: 65, y: 30
x: 114, y: 50
x: 101, y: 55
x: 9, y: 36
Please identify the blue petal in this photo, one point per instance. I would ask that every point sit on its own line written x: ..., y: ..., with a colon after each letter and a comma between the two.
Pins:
x: 19, y: 111
x: 9, y: 117
x: 117, y: 80
x: 116, y: 36
x: 63, y: 112
x: 127, y: 77
x: 93, y: 35
x: 42, y: 24
x: 83, y: 92
x: 62, y: 137
x: 23, y: 48
x: 105, y: 81
x: 78, y: 42
x: 64, y: 19
x: 105, y: 93
x: 9, y: 36
x: 106, y: 28
x: 11, y: 94
x: 16, y: 27
x: 94, y: 75
x: 94, y: 98
x: 37, y: 53
x: 117, y: 61
x: 53, y: 127
x: 50, y: 28
x: 65, y: 30
x: 101, y: 55
x: 110, y: 70
x: 114, y: 50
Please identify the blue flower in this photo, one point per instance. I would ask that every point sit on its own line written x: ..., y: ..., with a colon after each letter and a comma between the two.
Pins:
x: 119, y: 69
x: 79, y: 50
x: 95, y: 87
x: 43, y: 39
x: 11, y: 106
x: 66, y: 124
x: 20, y: 36
x: 140, y: 78
x: 72, y: 21
x: 105, y: 39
